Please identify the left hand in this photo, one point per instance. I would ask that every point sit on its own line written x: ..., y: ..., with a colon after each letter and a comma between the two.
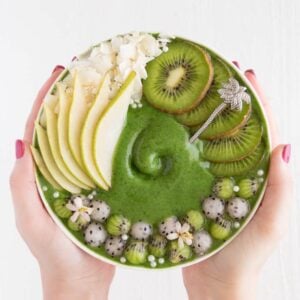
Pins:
x: 67, y: 272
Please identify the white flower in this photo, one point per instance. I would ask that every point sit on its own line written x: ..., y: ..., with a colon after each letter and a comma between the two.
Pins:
x: 182, y: 234
x: 233, y: 94
x: 79, y: 210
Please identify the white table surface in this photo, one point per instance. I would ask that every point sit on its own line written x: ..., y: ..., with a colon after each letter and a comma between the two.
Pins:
x: 37, y: 35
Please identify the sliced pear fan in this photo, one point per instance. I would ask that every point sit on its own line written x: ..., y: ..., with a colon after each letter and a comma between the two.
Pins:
x: 43, y: 169
x: 89, y: 127
x: 51, y: 121
x: 110, y: 127
x: 62, y: 125
x: 80, y: 105
x: 50, y: 163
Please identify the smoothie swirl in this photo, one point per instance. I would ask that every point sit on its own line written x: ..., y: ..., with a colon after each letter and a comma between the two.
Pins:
x: 156, y: 166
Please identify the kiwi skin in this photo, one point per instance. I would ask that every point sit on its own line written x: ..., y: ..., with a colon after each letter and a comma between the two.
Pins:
x: 203, y: 93
x: 211, y: 77
x: 198, y: 115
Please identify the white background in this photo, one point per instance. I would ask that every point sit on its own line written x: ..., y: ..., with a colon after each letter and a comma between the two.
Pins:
x: 37, y: 35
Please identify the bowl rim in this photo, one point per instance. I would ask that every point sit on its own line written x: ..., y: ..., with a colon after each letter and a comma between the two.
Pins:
x: 83, y: 247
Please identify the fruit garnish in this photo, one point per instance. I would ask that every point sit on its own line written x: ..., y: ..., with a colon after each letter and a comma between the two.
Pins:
x: 179, y: 78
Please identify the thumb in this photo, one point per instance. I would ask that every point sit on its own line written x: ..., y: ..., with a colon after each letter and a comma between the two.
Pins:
x: 27, y: 203
x: 272, y: 216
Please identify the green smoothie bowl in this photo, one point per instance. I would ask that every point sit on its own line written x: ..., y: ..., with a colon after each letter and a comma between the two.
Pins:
x: 151, y: 151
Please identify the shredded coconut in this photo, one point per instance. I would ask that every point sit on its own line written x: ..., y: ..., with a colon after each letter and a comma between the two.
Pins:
x: 119, y: 56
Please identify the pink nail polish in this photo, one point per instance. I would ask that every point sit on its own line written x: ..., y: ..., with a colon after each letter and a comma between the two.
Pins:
x: 251, y: 71
x: 20, y: 148
x: 58, y: 67
x: 286, y: 153
x: 236, y: 63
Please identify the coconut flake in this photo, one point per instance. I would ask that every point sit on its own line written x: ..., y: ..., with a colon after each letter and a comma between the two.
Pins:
x: 118, y: 57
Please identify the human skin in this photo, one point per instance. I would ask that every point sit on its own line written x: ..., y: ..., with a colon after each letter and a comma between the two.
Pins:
x: 66, y: 271
x: 233, y: 273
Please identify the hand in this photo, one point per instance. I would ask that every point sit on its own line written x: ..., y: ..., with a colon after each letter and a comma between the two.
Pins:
x: 67, y: 272
x: 233, y: 272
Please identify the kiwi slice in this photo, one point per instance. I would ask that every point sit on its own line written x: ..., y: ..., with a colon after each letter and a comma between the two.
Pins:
x: 79, y: 224
x: 223, y: 188
x: 241, y: 166
x: 236, y: 146
x: 248, y: 187
x: 226, y: 123
x: 212, y: 100
x: 59, y: 206
x: 221, y: 229
x: 179, y: 78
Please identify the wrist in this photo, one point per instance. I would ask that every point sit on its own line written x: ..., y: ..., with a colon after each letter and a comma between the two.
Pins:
x: 214, y: 289
x: 61, y: 287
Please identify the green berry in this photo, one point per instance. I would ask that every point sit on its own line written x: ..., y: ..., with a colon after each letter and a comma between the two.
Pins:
x: 136, y: 252
x: 223, y: 188
x: 195, y: 219
x: 178, y: 254
x: 59, y: 206
x: 78, y: 225
x: 221, y: 229
x: 157, y: 246
x: 248, y: 187
x: 118, y: 225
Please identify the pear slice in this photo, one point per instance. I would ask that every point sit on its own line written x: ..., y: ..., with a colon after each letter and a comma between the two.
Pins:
x: 62, y: 126
x: 87, y: 134
x: 80, y: 105
x: 109, y: 128
x: 50, y: 163
x: 43, y: 169
x: 51, y: 121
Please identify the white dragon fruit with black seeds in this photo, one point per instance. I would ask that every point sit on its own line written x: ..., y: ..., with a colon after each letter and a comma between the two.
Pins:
x: 168, y: 226
x: 85, y: 200
x: 213, y: 207
x: 114, y: 246
x: 202, y: 241
x: 141, y: 230
x: 95, y: 234
x: 101, y: 211
x: 238, y: 208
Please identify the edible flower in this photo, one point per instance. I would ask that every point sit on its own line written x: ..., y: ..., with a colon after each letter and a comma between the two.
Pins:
x: 182, y: 233
x: 79, y: 210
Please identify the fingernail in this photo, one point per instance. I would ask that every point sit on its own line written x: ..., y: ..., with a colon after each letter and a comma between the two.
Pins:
x: 251, y: 71
x: 58, y: 67
x: 20, y: 148
x: 236, y: 63
x: 286, y: 153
